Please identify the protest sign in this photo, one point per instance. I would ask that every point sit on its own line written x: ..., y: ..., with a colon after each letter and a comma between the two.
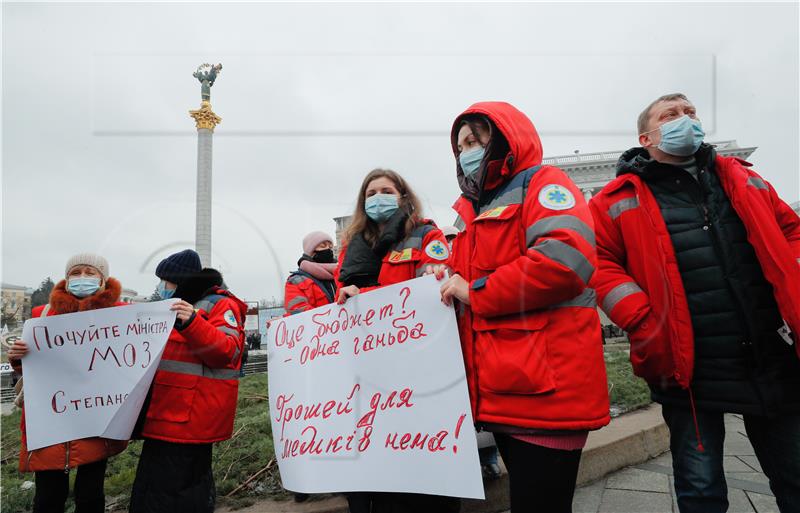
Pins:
x: 371, y: 395
x: 87, y: 373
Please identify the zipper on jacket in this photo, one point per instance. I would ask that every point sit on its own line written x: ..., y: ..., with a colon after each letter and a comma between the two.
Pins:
x: 30, y: 453
x: 66, y: 462
x: 751, y: 350
x: 474, y: 333
x: 706, y: 219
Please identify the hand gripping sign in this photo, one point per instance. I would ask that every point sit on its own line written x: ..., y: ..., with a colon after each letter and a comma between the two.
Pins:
x: 87, y: 373
x: 372, y: 396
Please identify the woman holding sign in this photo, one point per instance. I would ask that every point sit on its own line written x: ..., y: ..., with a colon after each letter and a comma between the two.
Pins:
x: 86, y: 286
x: 388, y: 241
x: 528, y: 320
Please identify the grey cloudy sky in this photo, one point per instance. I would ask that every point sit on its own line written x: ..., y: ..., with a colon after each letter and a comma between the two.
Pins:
x: 99, y: 153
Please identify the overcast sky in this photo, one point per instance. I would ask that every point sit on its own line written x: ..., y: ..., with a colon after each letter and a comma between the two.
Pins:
x: 99, y: 153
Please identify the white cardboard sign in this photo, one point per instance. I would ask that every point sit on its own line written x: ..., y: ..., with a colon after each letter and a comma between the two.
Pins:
x: 372, y: 396
x: 87, y: 373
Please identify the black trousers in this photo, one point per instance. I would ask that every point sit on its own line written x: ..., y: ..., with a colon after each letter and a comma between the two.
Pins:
x: 541, y: 479
x: 173, y: 478
x: 391, y: 502
x: 52, y: 489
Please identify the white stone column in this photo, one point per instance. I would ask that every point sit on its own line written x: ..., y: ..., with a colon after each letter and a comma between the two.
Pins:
x: 205, y: 120
x: 203, y: 219
x: 587, y: 193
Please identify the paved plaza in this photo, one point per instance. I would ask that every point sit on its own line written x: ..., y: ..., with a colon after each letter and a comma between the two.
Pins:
x: 648, y: 488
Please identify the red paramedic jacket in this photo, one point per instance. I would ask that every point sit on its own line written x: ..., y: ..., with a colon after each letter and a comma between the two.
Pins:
x: 531, y: 335
x: 407, y: 260
x: 639, y: 283
x: 301, y: 293
x: 197, y: 382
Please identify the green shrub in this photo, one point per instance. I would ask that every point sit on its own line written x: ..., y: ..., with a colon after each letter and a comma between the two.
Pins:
x: 627, y: 392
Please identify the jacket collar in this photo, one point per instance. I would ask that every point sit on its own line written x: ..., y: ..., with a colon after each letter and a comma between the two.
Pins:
x: 63, y: 302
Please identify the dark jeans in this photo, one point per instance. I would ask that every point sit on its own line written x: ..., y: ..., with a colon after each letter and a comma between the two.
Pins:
x: 488, y: 455
x: 541, y: 479
x: 699, y: 476
x: 173, y: 478
x: 52, y: 489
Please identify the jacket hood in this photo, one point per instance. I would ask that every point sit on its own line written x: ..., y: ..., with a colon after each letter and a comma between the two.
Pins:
x: 524, y: 146
x: 63, y: 302
x: 639, y: 162
x: 199, y: 285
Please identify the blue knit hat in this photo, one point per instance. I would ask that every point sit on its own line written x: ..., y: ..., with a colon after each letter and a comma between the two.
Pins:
x: 176, y: 268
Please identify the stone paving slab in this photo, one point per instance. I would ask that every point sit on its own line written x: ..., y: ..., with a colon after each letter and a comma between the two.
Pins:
x: 738, y: 502
x: 627, y: 501
x: 763, y: 503
x: 752, y: 461
x: 587, y: 498
x: 737, y: 444
x: 734, y: 464
x: 754, y: 477
x: 637, y: 479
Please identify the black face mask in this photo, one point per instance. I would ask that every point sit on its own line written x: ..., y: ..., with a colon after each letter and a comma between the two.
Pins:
x: 324, y: 257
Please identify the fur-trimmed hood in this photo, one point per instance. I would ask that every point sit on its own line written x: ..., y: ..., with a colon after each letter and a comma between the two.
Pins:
x: 62, y: 302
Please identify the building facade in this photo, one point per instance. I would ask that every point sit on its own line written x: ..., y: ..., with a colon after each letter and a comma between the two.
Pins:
x: 15, y: 304
x: 592, y: 171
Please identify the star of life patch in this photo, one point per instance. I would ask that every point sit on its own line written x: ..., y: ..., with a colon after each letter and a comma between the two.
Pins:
x: 556, y: 197
x: 230, y: 318
x: 437, y: 250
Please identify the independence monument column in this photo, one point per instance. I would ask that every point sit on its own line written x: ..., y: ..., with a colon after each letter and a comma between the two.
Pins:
x: 206, y: 120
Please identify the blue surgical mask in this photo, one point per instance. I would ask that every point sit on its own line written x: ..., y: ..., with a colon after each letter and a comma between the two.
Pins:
x: 163, y: 291
x: 83, y: 287
x: 381, y: 207
x: 681, y: 137
x: 471, y: 160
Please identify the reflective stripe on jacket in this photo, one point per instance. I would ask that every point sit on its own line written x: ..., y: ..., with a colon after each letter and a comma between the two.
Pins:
x: 639, y: 283
x: 196, y: 386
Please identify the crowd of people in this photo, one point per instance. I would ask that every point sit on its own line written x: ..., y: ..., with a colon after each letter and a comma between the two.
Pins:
x: 692, y: 253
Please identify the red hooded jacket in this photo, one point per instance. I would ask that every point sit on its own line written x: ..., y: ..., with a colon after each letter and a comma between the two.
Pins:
x: 531, y: 334
x: 196, y: 386
x: 639, y: 283
x: 301, y: 293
